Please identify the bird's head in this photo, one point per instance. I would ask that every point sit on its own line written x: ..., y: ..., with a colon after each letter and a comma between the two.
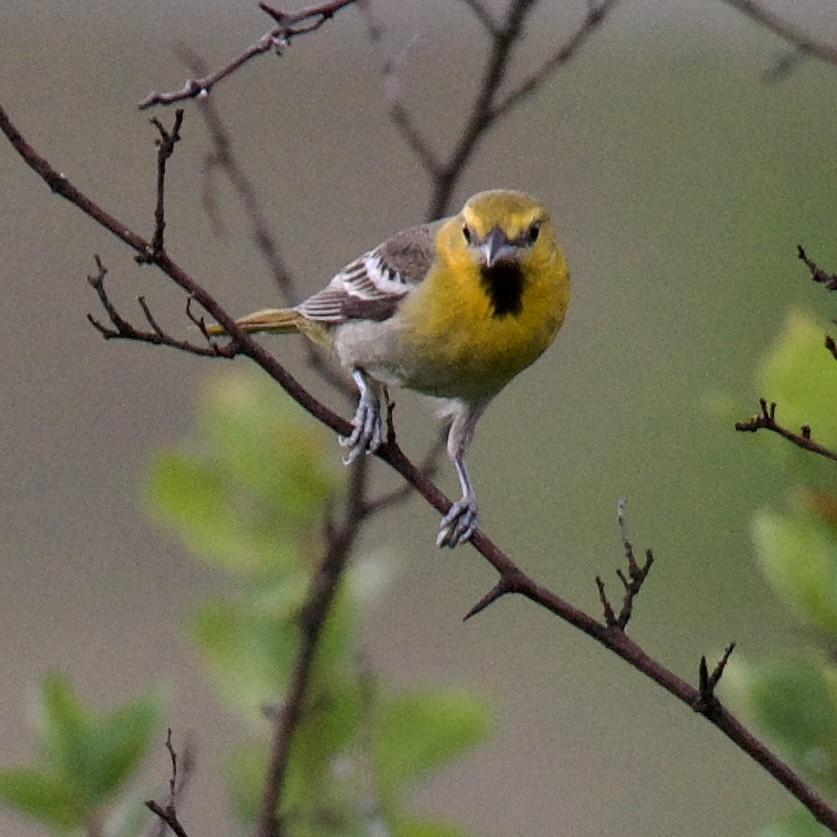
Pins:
x: 502, y: 226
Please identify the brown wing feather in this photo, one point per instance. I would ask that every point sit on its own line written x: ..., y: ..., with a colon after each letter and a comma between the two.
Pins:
x: 372, y: 286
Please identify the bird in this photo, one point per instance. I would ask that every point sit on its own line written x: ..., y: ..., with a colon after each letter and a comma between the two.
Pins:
x: 453, y: 309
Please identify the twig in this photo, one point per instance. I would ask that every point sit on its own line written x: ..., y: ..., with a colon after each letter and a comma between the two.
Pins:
x: 288, y: 26
x: 123, y: 330
x: 766, y: 420
x: 244, y: 343
x: 829, y: 280
x: 632, y: 582
x: 223, y: 158
x: 177, y: 784
x: 801, y: 41
x: 165, y: 148
x: 445, y: 173
x: 482, y: 15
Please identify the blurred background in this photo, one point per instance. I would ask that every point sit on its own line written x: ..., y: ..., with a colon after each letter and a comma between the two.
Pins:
x: 680, y: 180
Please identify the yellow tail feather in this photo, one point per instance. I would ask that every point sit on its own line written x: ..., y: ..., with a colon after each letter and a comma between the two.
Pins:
x: 276, y: 320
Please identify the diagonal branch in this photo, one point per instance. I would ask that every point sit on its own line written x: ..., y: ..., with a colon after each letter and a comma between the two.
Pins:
x: 288, y: 26
x: 596, y: 14
x: 800, y: 40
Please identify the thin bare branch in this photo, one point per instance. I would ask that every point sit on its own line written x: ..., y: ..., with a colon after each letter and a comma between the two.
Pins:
x: 123, y: 330
x: 178, y: 780
x: 288, y: 26
x: 596, y: 14
x: 393, y: 64
x: 482, y: 15
x: 165, y: 148
x: 802, y: 42
x: 632, y: 582
x: 487, y: 108
x: 766, y: 420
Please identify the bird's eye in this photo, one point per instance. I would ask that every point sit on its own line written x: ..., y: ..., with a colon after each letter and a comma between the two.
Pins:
x: 466, y: 231
x: 534, y: 232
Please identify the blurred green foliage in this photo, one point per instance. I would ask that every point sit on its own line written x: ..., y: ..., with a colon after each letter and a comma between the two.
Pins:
x: 250, y: 496
x: 87, y: 758
x: 793, y: 698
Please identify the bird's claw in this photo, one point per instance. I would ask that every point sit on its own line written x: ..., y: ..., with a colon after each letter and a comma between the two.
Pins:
x: 367, y: 433
x: 458, y: 524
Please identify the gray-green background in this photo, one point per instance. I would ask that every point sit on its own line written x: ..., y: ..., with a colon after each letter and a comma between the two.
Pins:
x: 680, y: 183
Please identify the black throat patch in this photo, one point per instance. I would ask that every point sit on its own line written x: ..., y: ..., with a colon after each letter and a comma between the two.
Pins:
x: 503, y: 282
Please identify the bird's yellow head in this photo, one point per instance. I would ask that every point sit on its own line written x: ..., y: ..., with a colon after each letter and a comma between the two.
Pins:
x: 505, y: 240
x: 502, y: 226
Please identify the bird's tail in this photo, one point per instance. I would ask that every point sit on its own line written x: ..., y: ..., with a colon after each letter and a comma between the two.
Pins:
x: 276, y: 320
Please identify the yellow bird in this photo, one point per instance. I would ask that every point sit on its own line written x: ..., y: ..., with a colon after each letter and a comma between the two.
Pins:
x: 453, y: 309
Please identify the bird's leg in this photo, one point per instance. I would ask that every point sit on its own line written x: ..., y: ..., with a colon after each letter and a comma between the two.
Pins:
x: 461, y: 520
x: 366, y: 424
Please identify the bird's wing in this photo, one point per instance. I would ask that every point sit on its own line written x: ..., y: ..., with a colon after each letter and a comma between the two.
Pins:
x: 373, y: 285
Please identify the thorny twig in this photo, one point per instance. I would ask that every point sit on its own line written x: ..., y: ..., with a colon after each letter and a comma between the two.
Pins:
x: 707, y: 701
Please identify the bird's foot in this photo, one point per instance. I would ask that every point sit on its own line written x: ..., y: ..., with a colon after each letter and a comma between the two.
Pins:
x: 459, y: 523
x: 366, y: 433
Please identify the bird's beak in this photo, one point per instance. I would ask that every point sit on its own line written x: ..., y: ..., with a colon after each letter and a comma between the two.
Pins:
x: 495, y: 247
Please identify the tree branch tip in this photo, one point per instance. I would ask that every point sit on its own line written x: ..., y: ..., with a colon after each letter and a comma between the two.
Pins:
x: 609, y: 615
x: 499, y: 590
x: 707, y: 683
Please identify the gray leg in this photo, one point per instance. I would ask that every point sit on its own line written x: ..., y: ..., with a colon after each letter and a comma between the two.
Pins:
x: 366, y: 424
x: 461, y: 520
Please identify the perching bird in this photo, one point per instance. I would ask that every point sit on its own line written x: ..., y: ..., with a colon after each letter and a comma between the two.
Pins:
x: 453, y: 309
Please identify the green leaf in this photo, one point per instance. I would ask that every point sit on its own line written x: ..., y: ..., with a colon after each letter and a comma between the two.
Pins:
x: 798, y: 555
x: 251, y: 424
x: 94, y: 753
x: 800, y: 376
x: 120, y: 740
x: 249, y: 650
x: 795, y: 702
x: 420, y: 731
x: 44, y: 797
x: 88, y: 755
x: 251, y: 497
